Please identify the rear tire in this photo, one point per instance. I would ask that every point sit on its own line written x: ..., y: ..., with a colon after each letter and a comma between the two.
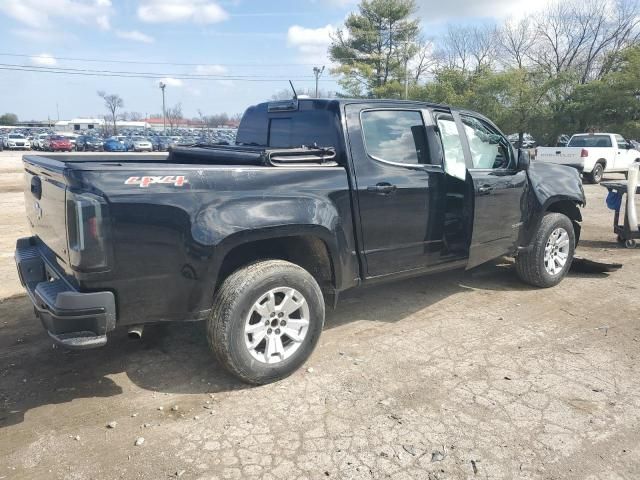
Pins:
x: 596, y: 174
x: 542, y: 266
x: 255, y: 298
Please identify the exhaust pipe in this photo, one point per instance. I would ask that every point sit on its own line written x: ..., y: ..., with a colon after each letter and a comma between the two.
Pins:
x: 135, y: 332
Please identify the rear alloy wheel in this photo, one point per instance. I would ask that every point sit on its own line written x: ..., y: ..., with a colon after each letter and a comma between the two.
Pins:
x: 266, y: 320
x: 551, y: 252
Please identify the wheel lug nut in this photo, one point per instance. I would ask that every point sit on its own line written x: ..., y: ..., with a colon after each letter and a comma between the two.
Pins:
x: 273, y: 314
x: 280, y: 315
x: 277, y: 331
x: 269, y: 330
x: 283, y: 323
x: 266, y: 322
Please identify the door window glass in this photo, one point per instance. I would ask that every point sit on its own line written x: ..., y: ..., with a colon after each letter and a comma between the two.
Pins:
x: 454, y: 163
x: 396, y: 136
x: 622, y: 143
x: 489, y: 149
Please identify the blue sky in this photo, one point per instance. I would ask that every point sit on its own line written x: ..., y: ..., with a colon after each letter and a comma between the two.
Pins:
x: 235, y: 40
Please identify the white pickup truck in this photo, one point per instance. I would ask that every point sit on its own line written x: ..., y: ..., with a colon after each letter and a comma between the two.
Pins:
x: 593, y: 154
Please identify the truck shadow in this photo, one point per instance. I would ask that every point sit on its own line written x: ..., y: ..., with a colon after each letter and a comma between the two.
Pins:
x: 175, y: 358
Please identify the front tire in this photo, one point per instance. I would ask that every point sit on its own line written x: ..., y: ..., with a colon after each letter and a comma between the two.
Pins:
x: 551, y: 254
x: 266, y: 320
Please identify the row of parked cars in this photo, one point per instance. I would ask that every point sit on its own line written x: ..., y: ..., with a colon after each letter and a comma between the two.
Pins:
x: 56, y: 142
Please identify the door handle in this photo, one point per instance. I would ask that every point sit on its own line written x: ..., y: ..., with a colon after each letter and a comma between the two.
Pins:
x: 485, y: 189
x: 382, y: 188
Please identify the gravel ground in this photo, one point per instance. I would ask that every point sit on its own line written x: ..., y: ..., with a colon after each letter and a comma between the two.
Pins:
x: 460, y: 375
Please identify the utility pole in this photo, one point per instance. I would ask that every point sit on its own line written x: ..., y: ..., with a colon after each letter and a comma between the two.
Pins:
x: 406, y: 71
x: 317, y: 72
x: 164, y: 112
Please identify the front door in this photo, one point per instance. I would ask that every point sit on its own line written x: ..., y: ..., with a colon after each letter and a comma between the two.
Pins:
x: 624, y: 156
x: 397, y: 187
x: 499, y: 190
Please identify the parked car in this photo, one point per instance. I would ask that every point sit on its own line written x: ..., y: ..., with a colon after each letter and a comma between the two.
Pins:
x: 72, y: 140
x: 58, y: 143
x: 527, y: 140
x: 38, y: 141
x: 593, y: 154
x: 113, y: 145
x: 160, y: 143
x: 562, y: 140
x: 257, y: 238
x: 17, y: 141
x: 140, y: 144
x: 88, y: 143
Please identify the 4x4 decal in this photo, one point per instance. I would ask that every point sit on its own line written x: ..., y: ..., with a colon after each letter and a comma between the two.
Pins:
x: 143, y: 182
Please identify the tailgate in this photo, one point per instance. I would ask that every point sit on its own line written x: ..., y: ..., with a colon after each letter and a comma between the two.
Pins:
x: 45, y: 202
x: 561, y: 155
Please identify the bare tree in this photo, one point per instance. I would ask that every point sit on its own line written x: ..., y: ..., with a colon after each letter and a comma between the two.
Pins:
x: 455, y: 48
x: 516, y: 41
x: 424, y: 61
x: 579, y: 35
x: 174, y: 115
x: 113, y: 102
x: 483, y: 42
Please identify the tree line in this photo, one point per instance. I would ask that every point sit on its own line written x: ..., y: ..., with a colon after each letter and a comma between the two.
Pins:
x: 571, y: 67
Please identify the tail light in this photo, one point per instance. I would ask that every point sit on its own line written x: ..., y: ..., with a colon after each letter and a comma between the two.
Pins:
x: 584, y: 153
x: 86, y: 231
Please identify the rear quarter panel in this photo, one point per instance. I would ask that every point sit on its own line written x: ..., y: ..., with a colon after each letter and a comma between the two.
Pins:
x: 169, y: 240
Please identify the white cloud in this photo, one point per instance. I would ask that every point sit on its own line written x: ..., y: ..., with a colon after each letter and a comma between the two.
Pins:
x: 197, y: 11
x: 42, y: 14
x: 452, y: 10
x: 172, y: 82
x: 43, y: 60
x: 211, y: 70
x: 312, y: 43
x: 103, y: 22
x: 135, y: 35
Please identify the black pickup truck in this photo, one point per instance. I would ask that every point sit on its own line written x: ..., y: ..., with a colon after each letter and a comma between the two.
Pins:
x: 316, y: 197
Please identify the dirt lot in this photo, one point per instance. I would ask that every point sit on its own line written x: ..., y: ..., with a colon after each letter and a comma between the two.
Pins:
x: 463, y: 375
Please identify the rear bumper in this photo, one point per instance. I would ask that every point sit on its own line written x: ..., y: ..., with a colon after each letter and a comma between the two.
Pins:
x: 73, y: 319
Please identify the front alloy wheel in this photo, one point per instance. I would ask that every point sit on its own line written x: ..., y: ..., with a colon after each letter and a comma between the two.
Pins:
x: 556, y: 251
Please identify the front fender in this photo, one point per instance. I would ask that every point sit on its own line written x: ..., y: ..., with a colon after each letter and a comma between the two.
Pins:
x: 551, y: 187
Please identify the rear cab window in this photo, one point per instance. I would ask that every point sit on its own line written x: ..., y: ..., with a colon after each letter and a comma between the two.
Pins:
x: 395, y: 136
x: 308, y: 126
x: 590, y: 141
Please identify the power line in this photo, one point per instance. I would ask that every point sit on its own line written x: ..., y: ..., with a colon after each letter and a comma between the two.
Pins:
x: 141, y: 62
x: 21, y: 68
x: 213, y: 76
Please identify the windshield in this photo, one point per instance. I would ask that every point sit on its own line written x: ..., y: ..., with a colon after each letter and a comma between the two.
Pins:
x: 58, y: 137
x: 16, y: 136
x: 590, y: 141
x: 139, y: 139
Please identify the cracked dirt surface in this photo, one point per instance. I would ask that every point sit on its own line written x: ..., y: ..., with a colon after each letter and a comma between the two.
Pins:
x: 459, y: 375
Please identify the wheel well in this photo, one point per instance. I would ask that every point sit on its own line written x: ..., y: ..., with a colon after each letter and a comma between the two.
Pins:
x: 307, y: 251
x: 571, y: 210
x: 602, y: 161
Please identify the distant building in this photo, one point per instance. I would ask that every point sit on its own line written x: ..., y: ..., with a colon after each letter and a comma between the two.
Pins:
x: 87, y: 124
x: 78, y: 125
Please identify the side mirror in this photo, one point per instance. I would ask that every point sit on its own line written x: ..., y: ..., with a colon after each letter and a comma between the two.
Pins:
x: 524, y: 159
